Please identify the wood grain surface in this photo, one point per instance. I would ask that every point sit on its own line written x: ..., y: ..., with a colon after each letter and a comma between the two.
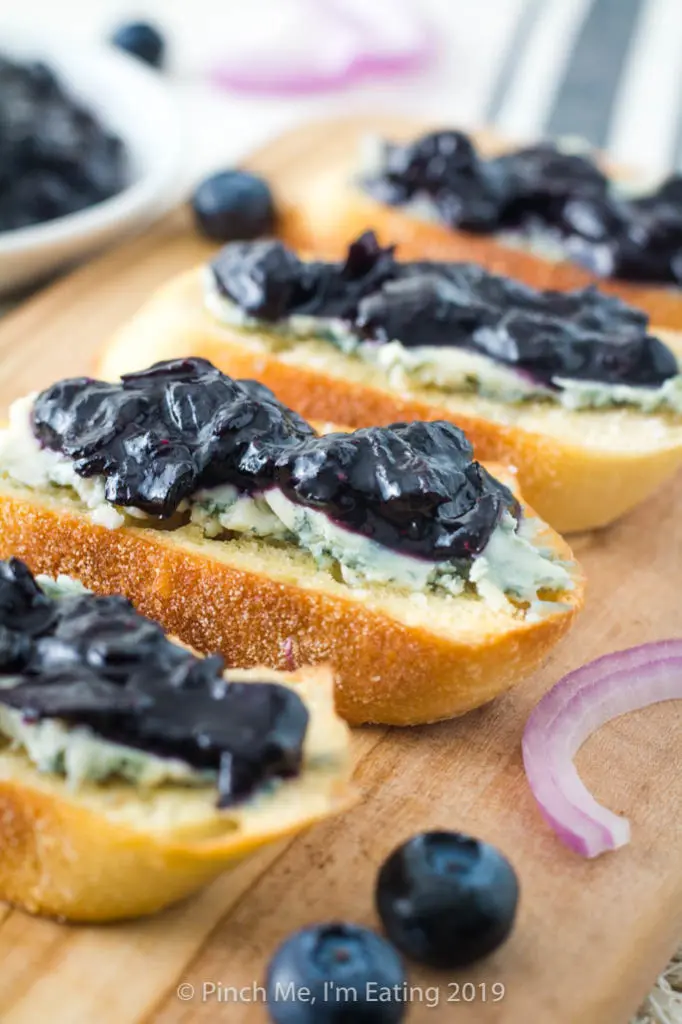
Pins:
x: 591, y: 936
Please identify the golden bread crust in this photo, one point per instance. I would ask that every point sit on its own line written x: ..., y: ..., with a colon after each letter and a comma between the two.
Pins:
x: 395, y: 660
x: 576, y: 478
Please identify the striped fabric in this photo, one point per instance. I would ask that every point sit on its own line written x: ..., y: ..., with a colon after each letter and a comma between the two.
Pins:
x: 609, y: 71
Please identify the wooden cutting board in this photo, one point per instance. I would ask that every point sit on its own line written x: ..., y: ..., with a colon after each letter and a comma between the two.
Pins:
x: 591, y: 936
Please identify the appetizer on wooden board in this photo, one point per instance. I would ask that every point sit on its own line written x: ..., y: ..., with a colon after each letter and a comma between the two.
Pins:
x: 573, y: 389
x: 388, y: 552
x: 132, y: 771
x: 547, y: 214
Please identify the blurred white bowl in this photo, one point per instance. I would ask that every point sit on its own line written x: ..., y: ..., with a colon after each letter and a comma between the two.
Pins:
x: 131, y: 100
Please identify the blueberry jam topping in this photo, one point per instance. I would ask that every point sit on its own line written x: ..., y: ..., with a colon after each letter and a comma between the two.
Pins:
x: 55, y: 156
x: 269, y: 281
x: 579, y: 335
x: 94, y: 661
x: 162, y: 433
x: 412, y: 487
x: 540, y: 187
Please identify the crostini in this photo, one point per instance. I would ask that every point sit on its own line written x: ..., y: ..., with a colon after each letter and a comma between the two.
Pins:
x: 132, y: 771
x: 547, y: 214
x: 388, y: 553
x: 570, y: 388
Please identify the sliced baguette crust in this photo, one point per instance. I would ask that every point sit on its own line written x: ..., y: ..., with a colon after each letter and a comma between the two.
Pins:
x: 103, y: 853
x: 335, y: 212
x: 397, y: 659
x: 579, y: 470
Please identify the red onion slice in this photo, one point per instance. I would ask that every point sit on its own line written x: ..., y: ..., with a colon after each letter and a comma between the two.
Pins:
x: 329, y: 44
x: 576, y: 707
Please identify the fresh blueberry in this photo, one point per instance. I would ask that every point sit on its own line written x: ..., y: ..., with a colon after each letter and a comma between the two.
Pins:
x: 143, y: 41
x: 335, y: 974
x: 234, y: 205
x: 446, y: 899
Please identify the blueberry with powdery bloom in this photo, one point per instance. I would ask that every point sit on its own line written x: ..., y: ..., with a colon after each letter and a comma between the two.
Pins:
x: 446, y: 899
x: 335, y: 974
x: 234, y: 205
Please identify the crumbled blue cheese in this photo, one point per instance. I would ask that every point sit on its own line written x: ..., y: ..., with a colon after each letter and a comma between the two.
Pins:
x: 360, y: 560
x: 511, y: 563
x: 451, y: 369
x: 62, y: 586
x: 586, y: 394
x: 77, y: 753
x: 456, y: 370
x: 218, y: 509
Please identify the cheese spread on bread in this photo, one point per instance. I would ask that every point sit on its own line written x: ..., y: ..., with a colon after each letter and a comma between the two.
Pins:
x: 81, y: 756
x: 512, y: 565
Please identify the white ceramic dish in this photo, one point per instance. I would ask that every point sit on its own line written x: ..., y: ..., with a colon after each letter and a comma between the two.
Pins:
x: 137, y: 104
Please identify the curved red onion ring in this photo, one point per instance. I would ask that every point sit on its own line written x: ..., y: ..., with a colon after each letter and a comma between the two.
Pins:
x: 342, y: 41
x: 579, y: 704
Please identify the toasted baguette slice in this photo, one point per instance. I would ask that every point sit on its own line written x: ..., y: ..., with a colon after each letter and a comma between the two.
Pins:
x: 105, y: 852
x: 334, y: 211
x: 579, y: 470
x: 398, y: 658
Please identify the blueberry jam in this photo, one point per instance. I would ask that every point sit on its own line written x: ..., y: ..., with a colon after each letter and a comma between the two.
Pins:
x: 163, y: 433
x: 55, y: 156
x: 579, y: 335
x: 413, y: 487
x: 94, y: 661
x: 539, y: 187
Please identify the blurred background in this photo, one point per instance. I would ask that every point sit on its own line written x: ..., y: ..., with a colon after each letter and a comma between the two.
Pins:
x: 608, y: 70
x: 219, y: 78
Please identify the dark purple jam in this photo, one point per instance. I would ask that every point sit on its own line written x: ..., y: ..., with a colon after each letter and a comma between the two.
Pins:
x: 268, y: 281
x: 579, y: 335
x: 412, y: 487
x: 536, y: 189
x: 94, y: 661
x: 163, y: 433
